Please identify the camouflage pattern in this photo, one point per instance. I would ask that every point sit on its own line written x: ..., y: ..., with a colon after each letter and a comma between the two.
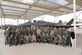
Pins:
x: 50, y: 35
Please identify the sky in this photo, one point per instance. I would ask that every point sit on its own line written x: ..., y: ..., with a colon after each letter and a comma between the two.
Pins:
x: 48, y: 18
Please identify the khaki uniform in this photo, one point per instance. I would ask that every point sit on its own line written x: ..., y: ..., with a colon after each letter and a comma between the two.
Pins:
x: 38, y: 31
x: 33, y: 38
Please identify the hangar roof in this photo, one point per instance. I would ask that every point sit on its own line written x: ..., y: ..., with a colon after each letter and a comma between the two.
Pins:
x: 30, y: 9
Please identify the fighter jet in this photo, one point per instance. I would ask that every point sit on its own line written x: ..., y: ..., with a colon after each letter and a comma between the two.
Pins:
x: 44, y: 23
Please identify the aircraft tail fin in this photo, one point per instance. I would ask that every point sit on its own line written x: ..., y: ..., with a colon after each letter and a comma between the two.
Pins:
x: 70, y: 22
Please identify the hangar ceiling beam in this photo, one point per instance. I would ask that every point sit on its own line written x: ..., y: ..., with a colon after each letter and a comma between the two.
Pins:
x: 79, y: 2
x: 61, y: 5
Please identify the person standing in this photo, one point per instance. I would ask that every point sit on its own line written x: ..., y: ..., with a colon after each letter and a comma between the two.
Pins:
x: 7, y: 35
x: 55, y: 36
x: 67, y: 39
x: 60, y: 35
x: 51, y: 35
x: 72, y: 34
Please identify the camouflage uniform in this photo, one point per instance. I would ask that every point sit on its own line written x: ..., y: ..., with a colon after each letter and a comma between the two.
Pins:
x: 56, y: 37
x: 52, y: 36
x: 60, y: 37
x: 38, y: 32
x: 42, y: 38
x: 21, y: 39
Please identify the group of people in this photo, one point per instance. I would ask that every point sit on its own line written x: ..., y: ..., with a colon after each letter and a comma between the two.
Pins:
x: 52, y: 35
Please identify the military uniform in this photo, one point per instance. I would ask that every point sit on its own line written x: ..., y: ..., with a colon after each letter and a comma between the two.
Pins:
x: 13, y: 33
x: 51, y: 32
x: 52, y: 36
x: 66, y: 38
x: 7, y: 35
x: 10, y: 40
x: 18, y: 34
x: 60, y: 37
x: 43, y: 38
x: 21, y: 39
x: 30, y: 38
x: 25, y: 38
x: 33, y: 38
x: 38, y: 35
x: 56, y: 36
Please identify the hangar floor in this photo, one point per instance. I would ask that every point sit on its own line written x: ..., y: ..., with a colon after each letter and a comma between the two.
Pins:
x: 36, y: 49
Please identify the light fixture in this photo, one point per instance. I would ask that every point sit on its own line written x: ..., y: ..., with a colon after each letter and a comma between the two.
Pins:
x: 28, y: 1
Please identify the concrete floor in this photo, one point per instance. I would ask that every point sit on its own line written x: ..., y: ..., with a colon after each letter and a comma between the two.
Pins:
x: 79, y: 38
x: 79, y: 41
x: 37, y: 49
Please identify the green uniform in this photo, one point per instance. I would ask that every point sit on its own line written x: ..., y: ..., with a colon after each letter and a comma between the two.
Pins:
x: 51, y: 32
x: 18, y: 33
x: 60, y: 37
x: 7, y: 35
x: 42, y: 31
x: 60, y: 32
x: 55, y: 32
x: 66, y: 38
